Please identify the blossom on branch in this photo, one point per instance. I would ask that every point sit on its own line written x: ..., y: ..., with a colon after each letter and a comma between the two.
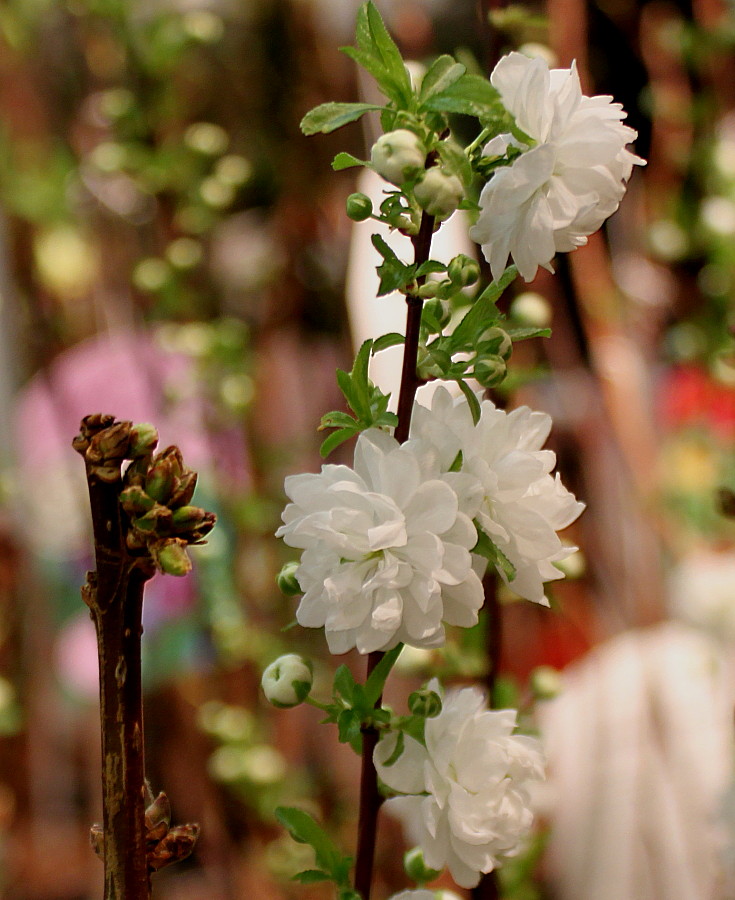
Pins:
x: 467, y: 803
x: 523, y: 505
x: 568, y: 179
x: 386, y: 548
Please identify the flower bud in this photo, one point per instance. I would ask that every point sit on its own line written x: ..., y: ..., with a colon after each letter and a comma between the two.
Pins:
x: 175, y: 846
x: 398, y: 156
x: 287, y: 581
x: 170, y: 556
x: 496, y: 340
x: 439, y: 193
x: 143, y: 440
x: 463, y: 270
x: 184, y: 489
x: 490, y: 370
x: 440, y: 310
x: 160, y: 480
x: 545, y: 682
x: 531, y: 309
x: 191, y: 518
x: 157, y: 818
x: 425, y: 703
x: 156, y: 521
x: 415, y: 866
x: 109, y: 444
x: 135, y: 501
x: 286, y: 682
x: 359, y: 207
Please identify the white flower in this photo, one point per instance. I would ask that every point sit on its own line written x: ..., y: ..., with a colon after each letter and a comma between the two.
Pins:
x: 522, y: 506
x: 564, y: 186
x: 386, y: 548
x: 475, y: 774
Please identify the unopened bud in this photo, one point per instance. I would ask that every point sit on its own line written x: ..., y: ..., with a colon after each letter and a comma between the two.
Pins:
x: 109, y: 444
x: 170, y: 556
x: 439, y: 193
x: 143, y: 440
x: 287, y: 681
x: 463, y: 270
x: 191, y: 518
x: 160, y: 480
x: 416, y: 868
x: 359, y: 207
x: 425, y: 703
x: 440, y: 310
x: 157, y: 818
x: 287, y: 581
x: 184, y: 489
x: 545, y: 682
x: 497, y: 340
x: 531, y: 309
x: 175, y: 846
x: 398, y: 156
x: 135, y: 501
x: 156, y: 521
x: 490, y: 370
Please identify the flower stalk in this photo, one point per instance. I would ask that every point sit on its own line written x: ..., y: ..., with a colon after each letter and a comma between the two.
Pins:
x: 370, y: 798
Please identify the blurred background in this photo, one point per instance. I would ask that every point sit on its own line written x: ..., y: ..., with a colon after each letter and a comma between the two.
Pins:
x: 173, y: 250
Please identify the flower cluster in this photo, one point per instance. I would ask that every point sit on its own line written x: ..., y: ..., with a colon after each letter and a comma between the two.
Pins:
x: 467, y: 801
x: 571, y: 176
x: 386, y: 545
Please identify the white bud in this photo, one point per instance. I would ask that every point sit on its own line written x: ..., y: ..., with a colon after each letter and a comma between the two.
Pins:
x: 439, y: 193
x: 398, y: 155
x: 287, y: 681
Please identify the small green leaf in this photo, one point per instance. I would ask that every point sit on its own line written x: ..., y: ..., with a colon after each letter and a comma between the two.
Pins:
x: 311, y: 876
x: 482, y: 312
x: 431, y: 267
x: 457, y: 464
x: 377, y: 678
x: 397, y: 750
x: 523, y: 334
x: 393, y: 273
x: 344, y: 684
x: 329, y: 117
x: 494, y: 555
x: 348, y: 725
x: 305, y: 830
x: 442, y: 73
x: 472, y: 400
x: 387, y: 340
x: 336, y: 419
x: 335, y: 439
x: 471, y: 95
x: 346, y: 161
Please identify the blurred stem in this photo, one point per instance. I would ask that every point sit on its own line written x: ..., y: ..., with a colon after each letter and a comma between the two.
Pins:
x: 114, y: 594
x: 370, y: 799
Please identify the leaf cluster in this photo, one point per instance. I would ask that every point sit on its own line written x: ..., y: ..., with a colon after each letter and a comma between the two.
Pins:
x: 332, y: 864
x: 368, y: 403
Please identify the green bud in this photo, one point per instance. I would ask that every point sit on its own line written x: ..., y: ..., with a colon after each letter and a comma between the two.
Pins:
x: 416, y: 868
x: 286, y: 580
x: 156, y: 521
x: 441, y: 310
x: 439, y: 193
x: 398, y: 156
x: 160, y: 480
x: 184, y: 489
x: 359, y: 207
x: 189, y: 518
x: 170, y: 556
x: 490, y: 370
x: 287, y: 681
x: 463, y: 270
x: 545, y: 683
x: 429, y: 290
x: 425, y: 703
x: 497, y: 341
x: 109, y: 444
x: 135, y: 501
x: 143, y: 440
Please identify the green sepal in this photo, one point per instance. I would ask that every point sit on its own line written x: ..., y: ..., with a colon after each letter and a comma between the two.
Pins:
x: 486, y: 548
x: 397, y: 750
x: 328, y: 117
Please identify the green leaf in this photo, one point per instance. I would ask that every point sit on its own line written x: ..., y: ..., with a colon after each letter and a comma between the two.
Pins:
x: 302, y: 828
x: 335, y: 439
x: 442, y: 73
x: 397, y: 750
x: 311, y: 876
x: 494, y: 555
x: 377, y: 53
x: 393, y: 273
x: 457, y: 464
x: 431, y: 267
x: 387, y: 340
x: 348, y: 725
x: 483, y: 311
x: 472, y: 400
x: 344, y: 684
x: 523, y: 334
x: 377, y: 678
x: 471, y: 95
x: 336, y: 419
x: 346, y: 161
x: 329, y: 117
